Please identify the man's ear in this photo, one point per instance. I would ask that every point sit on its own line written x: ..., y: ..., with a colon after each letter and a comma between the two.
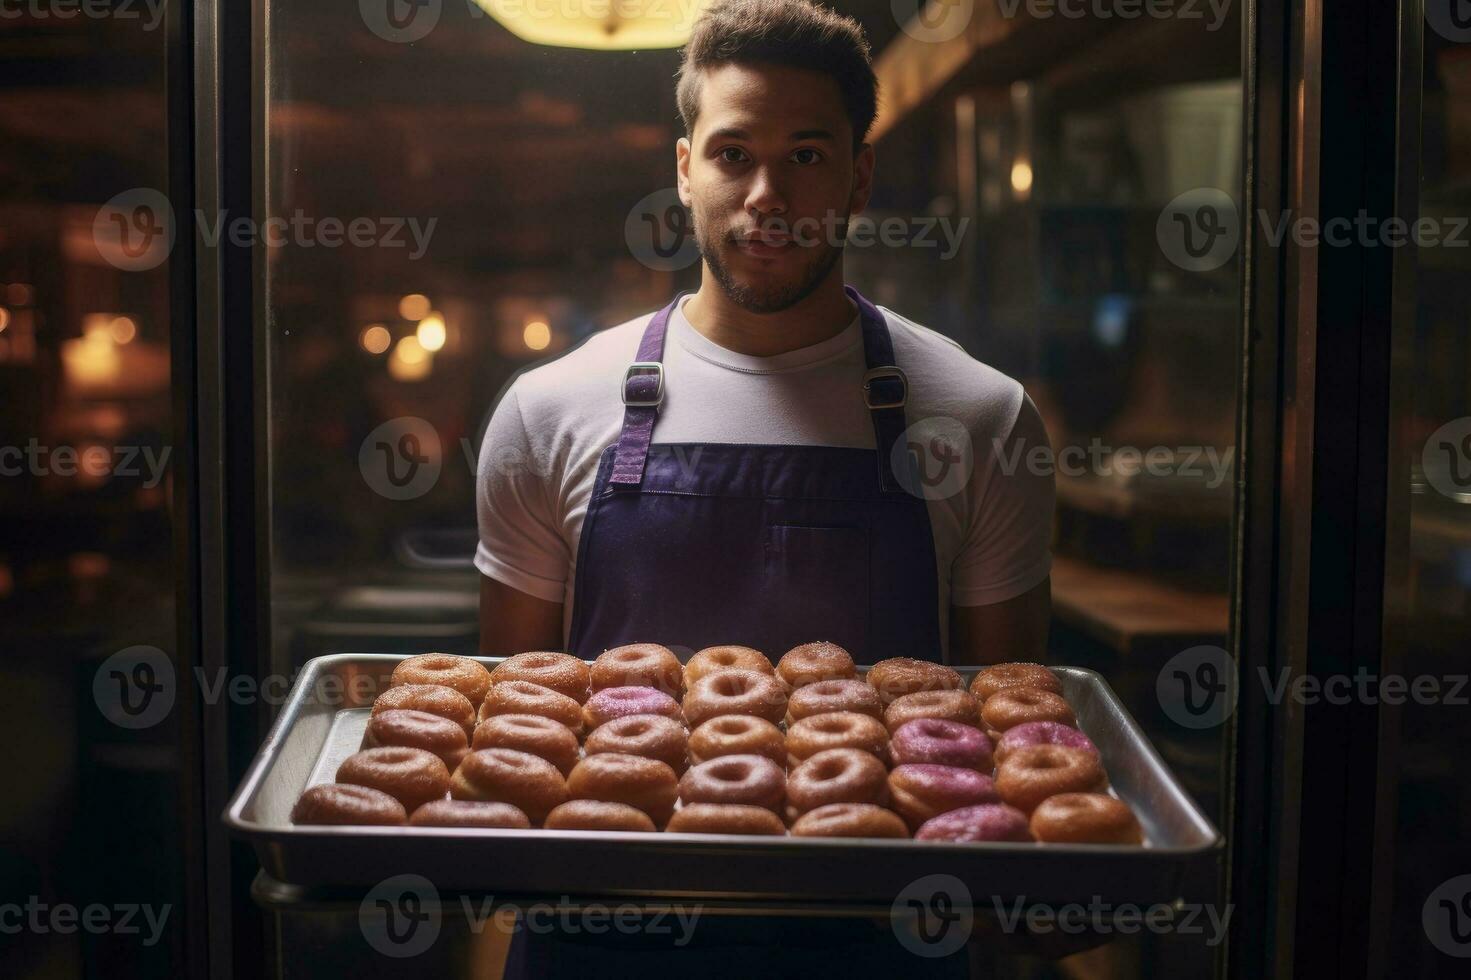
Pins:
x: 863, y: 164
x: 682, y: 170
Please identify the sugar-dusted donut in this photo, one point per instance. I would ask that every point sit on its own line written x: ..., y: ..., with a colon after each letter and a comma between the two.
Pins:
x: 561, y: 672
x: 467, y: 676
x: 850, y: 820
x: 346, y: 805
x: 813, y: 662
x: 735, y: 692
x: 839, y: 730
x: 542, y: 737
x: 526, y: 698
x: 751, y: 779
x: 898, y: 676
x: 648, y: 736
x: 712, y: 659
x: 469, y: 813
x: 647, y: 784
x: 639, y: 665
x: 1085, y: 818
x: 737, y: 735
x: 528, y: 782
x: 1034, y: 772
x: 598, y: 815
x: 436, y: 699
x: 418, y: 730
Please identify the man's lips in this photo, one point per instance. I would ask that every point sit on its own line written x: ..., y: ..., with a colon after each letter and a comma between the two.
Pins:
x: 763, y: 244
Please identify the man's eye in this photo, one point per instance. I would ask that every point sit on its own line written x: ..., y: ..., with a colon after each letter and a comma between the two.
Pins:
x: 724, y: 154
x: 814, y: 155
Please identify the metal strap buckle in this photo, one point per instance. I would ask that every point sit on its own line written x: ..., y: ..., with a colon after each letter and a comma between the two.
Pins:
x: 639, y: 369
x: 880, y: 374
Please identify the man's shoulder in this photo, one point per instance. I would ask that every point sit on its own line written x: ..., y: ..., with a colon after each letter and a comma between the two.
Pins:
x: 944, y: 379
x: 591, y: 368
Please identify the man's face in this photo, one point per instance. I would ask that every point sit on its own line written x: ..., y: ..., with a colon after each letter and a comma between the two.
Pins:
x: 770, y: 179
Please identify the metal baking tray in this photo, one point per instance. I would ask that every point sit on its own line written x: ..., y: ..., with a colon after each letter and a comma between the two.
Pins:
x: 323, y: 721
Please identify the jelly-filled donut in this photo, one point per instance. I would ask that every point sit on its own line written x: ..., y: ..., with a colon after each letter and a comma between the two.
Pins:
x: 1014, y: 706
x: 526, y: 698
x: 898, y: 676
x: 540, y: 736
x: 418, y: 730
x: 647, y: 736
x: 346, y: 806
x: 735, y: 692
x: 411, y: 776
x: 646, y: 784
x: 1032, y: 773
x: 620, y: 702
x: 1085, y: 818
x: 462, y: 674
x: 712, y: 659
x: 839, y: 730
x: 599, y: 815
x: 725, y: 818
x: 1041, y: 733
x: 987, y: 822
x: 849, y: 820
x: 528, y: 782
x: 999, y: 677
x: 639, y: 665
x: 920, y: 791
x: 813, y: 662
x: 560, y: 672
x: 751, y: 779
x: 470, y: 813
x: 737, y: 735
x: 826, y: 697
x: 836, y: 776
x: 942, y: 743
x: 945, y: 705
x: 436, y: 699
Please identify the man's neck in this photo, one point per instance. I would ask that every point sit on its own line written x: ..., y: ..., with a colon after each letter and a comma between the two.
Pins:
x: 822, y: 314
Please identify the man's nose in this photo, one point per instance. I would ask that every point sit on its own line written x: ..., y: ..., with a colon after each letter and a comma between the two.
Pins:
x: 765, y: 197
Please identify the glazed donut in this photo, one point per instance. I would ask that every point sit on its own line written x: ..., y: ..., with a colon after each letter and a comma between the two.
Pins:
x: 436, y: 699
x: 639, y: 665
x: 750, y: 779
x: 542, y: 737
x: 725, y: 818
x: 1041, y: 733
x: 560, y: 672
x: 521, y: 779
x: 1085, y: 818
x: 1032, y: 773
x: 942, y: 743
x: 849, y: 820
x: 620, y: 702
x: 469, y: 813
x: 836, y: 776
x: 987, y: 822
x: 999, y: 677
x: 947, y: 705
x: 737, y: 735
x: 920, y: 791
x: 1014, y: 706
x: 411, y: 776
x: 734, y: 692
x: 646, y: 784
x: 338, y: 806
x: 647, y: 736
x: 460, y: 673
x: 526, y: 698
x: 417, y: 730
x: 898, y: 676
x: 598, y: 815
x: 813, y: 662
x: 839, y: 730
x: 826, y: 697
x: 712, y: 659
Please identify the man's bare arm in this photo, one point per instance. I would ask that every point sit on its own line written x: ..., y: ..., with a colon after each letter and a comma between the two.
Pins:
x: 513, y: 622
x: 1005, y: 631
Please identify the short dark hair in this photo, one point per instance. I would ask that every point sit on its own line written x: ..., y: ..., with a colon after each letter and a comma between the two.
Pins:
x: 794, y: 33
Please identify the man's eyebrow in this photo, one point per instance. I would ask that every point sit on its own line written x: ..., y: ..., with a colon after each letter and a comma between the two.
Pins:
x: 731, y: 132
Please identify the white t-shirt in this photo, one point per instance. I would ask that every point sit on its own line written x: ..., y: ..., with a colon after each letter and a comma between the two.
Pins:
x: 540, y: 454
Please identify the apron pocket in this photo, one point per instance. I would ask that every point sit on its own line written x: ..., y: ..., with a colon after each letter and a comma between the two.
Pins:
x: 817, y: 583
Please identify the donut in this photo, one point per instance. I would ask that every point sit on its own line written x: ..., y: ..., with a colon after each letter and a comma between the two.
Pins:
x: 898, y: 676
x: 639, y: 665
x: 338, y: 806
x: 737, y: 735
x: 648, y: 736
x: 521, y: 779
x: 999, y: 677
x: 813, y: 662
x: 560, y: 672
x: 750, y: 779
x: 418, y: 730
x: 1041, y: 733
x: 469, y: 813
x: 462, y: 674
x: 920, y: 791
x: 734, y: 692
x: 1032, y: 773
x: 826, y: 697
x: 1085, y: 818
x: 987, y: 822
x: 646, y: 784
x: 839, y: 730
x: 436, y: 699
x: 1014, y: 706
x: 526, y: 698
x: 411, y: 776
x: 849, y: 820
x: 836, y: 776
x: 598, y: 815
x: 620, y: 702
x: 542, y: 737
x: 947, y: 705
x: 943, y: 743
x: 725, y: 818
x: 712, y: 659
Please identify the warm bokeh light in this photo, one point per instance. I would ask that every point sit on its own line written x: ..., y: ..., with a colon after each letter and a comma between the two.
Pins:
x: 376, y: 338
x: 537, y: 335
x: 123, y: 329
x: 431, y: 332
x: 414, y: 306
x: 1021, y: 178
x: 628, y: 25
x: 4, y: 318
x: 409, y: 360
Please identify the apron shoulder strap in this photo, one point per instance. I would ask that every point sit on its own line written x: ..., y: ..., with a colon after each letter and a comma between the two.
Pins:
x: 643, y: 391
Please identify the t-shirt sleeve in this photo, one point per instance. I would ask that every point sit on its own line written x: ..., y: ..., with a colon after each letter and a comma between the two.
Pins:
x: 1007, y: 548
x: 521, y: 542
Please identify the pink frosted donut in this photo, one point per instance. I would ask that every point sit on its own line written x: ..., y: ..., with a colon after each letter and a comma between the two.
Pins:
x: 620, y: 702
x: 944, y: 743
x: 986, y: 822
x: 1041, y: 733
x: 920, y: 791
